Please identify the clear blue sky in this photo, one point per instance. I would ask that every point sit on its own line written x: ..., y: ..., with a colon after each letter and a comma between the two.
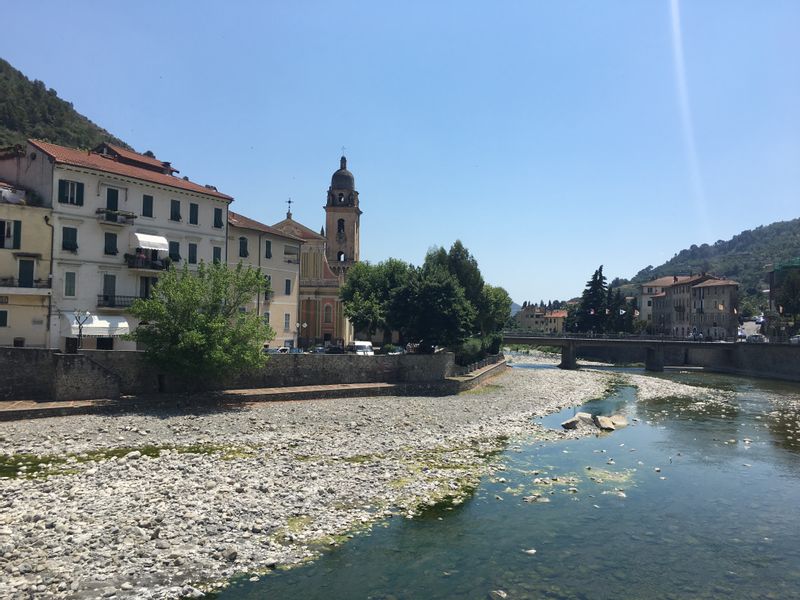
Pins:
x: 550, y: 137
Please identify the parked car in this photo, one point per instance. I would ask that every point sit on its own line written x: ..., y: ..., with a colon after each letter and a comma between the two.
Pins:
x: 795, y: 339
x: 695, y: 336
x: 756, y: 338
x: 317, y: 350
x: 334, y: 350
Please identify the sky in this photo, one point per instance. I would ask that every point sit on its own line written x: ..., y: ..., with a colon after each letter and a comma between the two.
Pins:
x: 549, y: 137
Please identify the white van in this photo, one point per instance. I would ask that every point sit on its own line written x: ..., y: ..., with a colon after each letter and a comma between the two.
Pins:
x: 362, y: 348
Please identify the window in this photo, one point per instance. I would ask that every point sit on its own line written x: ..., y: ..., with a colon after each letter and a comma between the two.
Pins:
x: 243, y: 247
x: 268, y: 251
x: 287, y: 287
x: 147, y: 206
x: 217, y: 254
x: 340, y: 226
x: 10, y: 234
x: 174, y: 210
x: 69, y: 284
x: 193, y: 213
x: 70, y: 192
x: 109, y: 289
x: 218, y: 218
x: 265, y: 316
x: 69, y: 239
x: 287, y: 318
x: 193, y: 254
x: 111, y: 244
x: 175, y: 251
x: 327, y: 314
x: 3, y: 318
x: 112, y: 204
x: 340, y: 257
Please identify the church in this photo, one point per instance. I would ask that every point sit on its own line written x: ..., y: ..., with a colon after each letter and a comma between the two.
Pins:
x: 325, y: 258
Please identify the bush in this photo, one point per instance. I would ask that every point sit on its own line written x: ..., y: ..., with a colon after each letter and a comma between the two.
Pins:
x: 469, y: 352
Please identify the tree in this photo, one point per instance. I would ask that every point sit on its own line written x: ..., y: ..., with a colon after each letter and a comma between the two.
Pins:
x: 788, y: 296
x: 591, y: 315
x: 367, y: 294
x: 433, y: 308
x: 193, y: 325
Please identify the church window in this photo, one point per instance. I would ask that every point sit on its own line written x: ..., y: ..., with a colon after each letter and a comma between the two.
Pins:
x: 328, y: 314
x: 340, y: 226
x: 340, y: 257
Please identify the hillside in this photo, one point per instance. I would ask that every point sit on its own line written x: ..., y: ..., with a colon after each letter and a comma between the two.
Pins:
x: 29, y: 110
x: 743, y: 258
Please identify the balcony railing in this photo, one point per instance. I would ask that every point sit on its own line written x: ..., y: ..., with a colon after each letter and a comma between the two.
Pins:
x: 107, y: 301
x: 142, y: 262
x: 333, y: 283
x: 118, y: 217
x: 17, y: 283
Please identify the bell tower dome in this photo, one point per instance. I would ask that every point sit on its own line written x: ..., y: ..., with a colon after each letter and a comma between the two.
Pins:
x: 342, y: 220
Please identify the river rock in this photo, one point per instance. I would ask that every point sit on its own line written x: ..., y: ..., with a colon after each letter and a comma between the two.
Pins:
x: 619, y: 421
x: 582, y: 418
x: 604, y: 423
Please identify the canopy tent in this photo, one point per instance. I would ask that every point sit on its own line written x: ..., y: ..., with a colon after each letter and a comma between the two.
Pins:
x: 97, y: 325
x: 150, y: 242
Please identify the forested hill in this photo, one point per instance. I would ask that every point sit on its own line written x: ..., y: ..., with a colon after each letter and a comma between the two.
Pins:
x: 29, y: 110
x: 741, y: 258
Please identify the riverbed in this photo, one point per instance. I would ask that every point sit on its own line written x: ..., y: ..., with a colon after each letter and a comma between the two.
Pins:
x: 164, y: 504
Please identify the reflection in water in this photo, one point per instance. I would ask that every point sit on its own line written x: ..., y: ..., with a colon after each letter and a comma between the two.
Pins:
x: 691, y: 501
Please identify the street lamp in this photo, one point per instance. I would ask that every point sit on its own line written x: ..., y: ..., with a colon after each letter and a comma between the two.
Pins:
x: 299, y: 325
x: 81, y: 316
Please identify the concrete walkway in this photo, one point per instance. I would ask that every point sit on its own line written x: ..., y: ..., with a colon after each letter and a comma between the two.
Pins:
x: 12, y: 410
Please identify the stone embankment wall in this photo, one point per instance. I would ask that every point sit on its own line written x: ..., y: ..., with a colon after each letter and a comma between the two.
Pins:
x: 39, y: 374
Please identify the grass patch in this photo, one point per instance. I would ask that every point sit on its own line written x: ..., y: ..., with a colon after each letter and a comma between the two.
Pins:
x: 483, y: 389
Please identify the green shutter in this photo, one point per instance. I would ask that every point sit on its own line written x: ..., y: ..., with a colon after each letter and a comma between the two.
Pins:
x: 3, y: 318
x: 79, y: 199
x: 17, y: 235
x: 62, y: 191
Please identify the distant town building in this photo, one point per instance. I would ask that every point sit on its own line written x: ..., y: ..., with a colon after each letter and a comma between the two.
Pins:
x: 119, y: 220
x: 695, y: 304
x: 25, y: 292
x: 654, y: 288
x: 277, y: 255
x: 538, y: 320
x: 777, y: 277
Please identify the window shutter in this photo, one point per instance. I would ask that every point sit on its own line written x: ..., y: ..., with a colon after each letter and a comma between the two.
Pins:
x: 62, y: 191
x: 268, y: 253
x: 17, y: 235
x: 79, y: 194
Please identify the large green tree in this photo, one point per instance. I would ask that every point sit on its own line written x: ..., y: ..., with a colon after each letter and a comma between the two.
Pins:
x: 433, y: 308
x: 591, y: 314
x: 193, y: 325
x: 367, y: 294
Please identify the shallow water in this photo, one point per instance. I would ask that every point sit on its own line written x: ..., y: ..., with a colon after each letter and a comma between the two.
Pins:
x: 677, y: 505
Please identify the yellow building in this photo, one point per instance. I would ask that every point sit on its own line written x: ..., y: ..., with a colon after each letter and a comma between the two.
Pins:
x: 25, y: 269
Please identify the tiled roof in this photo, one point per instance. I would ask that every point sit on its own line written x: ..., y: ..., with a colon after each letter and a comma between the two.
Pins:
x: 297, y: 229
x: 716, y: 282
x: 135, y: 156
x: 558, y: 314
x: 661, y: 295
x: 666, y: 281
x: 90, y: 160
x: 238, y: 220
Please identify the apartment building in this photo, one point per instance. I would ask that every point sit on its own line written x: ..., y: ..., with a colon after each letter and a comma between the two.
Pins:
x: 119, y: 219
x: 697, y: 304
x: 25, y: 294
x: 277, y: 256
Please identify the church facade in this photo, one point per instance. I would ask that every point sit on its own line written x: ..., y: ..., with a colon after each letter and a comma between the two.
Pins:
x: 325, y: 258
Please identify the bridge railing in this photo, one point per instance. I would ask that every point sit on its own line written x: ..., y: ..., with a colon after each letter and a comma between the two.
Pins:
x: 543, y: 337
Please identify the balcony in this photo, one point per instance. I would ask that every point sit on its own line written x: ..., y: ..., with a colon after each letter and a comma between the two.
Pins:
x: 115, y: 217
x: 147, y: 264
x: 106, y: 301
x: 16, y: 286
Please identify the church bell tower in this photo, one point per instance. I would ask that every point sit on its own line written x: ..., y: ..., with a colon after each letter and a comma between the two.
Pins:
x: 342, y: 220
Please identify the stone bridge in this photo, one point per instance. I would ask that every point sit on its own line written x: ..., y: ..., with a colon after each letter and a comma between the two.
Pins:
x: 655, y: 347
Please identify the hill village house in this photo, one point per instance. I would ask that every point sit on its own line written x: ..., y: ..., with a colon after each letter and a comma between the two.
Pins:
x: 92, y: 231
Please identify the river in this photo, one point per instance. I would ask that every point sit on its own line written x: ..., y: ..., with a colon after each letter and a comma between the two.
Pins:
x: 692, y: 500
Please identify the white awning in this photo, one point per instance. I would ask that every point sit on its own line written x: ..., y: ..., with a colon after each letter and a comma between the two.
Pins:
x: 151, y: 242
x: 97, y: 325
